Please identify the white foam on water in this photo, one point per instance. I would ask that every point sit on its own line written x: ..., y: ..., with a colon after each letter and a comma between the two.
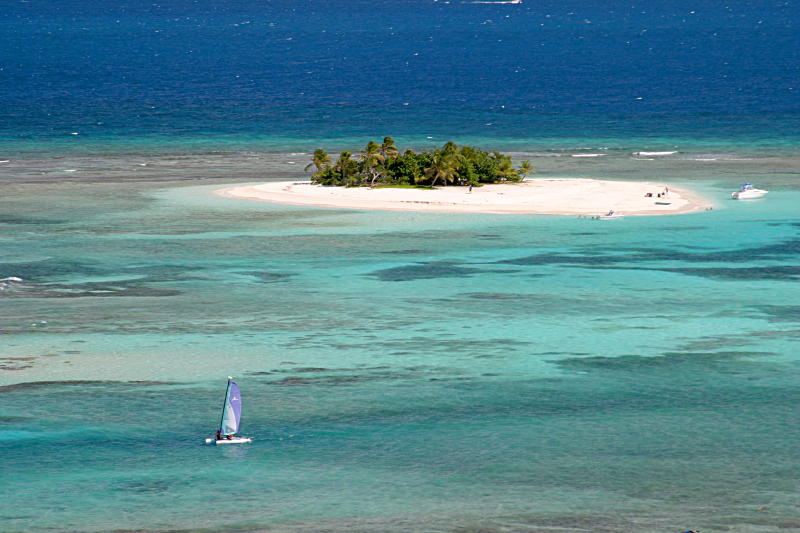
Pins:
x: 657, y: 154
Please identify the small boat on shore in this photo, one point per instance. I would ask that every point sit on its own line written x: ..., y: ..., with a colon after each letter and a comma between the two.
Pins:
x: 748, y: 192
x: 231, y: 417
x: 611, y: 215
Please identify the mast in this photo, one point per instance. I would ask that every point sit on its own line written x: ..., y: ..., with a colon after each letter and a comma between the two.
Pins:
x: 225, y: 403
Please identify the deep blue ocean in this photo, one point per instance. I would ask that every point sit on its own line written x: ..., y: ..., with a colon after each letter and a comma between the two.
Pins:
x: 400, y: 371
x: 276, y: 73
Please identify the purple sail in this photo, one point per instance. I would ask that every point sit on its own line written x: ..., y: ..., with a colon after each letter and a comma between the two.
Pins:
x: 232, y: 412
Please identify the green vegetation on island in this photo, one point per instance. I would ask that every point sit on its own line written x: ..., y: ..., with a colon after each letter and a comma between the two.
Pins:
x: 383, y: 164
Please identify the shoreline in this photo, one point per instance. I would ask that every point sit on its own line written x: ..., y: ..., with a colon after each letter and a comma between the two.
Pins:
x: 542, y: 196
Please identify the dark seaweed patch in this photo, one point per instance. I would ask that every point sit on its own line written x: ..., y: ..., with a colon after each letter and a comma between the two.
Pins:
x: 28, y: 221
x: 404, y: 252
x: 782, y: 313
x: 317, y: 370
x: 433, y: 270
x: 633, y: 363
x: 16, y: 363
x: 269, y: 277
x: 765, y: 273
x: 143, y: 486
x: 162, y: 272
x: 11, y: 367
x: 13, y: 419
x: 563, y: 353
x: 712, y: 343
x: 339, y: 379
x: 41, y: 270
x: 347, y: 376
x: 494, y: 296
x: 79, y: 383
x: 771, y: 251
x: 416, y: 345
x: 773, y: 273
x: 563, y: 259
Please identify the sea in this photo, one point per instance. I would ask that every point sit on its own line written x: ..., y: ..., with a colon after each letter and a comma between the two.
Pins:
x: 399, y: 371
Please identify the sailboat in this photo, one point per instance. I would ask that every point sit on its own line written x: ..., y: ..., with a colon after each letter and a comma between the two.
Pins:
x: 231, y: 416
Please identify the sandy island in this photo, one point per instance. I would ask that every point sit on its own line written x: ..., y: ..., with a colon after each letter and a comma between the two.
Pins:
x: 533, y: 196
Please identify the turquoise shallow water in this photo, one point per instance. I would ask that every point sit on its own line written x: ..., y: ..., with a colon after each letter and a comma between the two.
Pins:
x: 400, y: 371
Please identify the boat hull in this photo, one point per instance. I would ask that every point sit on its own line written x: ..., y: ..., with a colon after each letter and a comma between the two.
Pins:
x: 234, y: 440
x: 748, y: 195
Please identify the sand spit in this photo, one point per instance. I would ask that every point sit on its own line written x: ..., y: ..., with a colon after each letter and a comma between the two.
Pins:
x: 533, y: 196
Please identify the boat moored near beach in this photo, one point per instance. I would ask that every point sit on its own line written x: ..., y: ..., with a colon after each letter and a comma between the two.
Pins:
x: 611, y: 215
x: 748, y: 192
x: 231, y: 417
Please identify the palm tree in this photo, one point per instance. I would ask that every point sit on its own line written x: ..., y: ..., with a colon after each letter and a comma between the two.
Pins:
x: 344, y: 166
x: 389, y: 148
x: 372, y: 158
x: 464, y: 170
x: 525, y: 168
x: 319, y: 160
x: 450, y: 148
x: 505, y: 171
x: 442, y: 167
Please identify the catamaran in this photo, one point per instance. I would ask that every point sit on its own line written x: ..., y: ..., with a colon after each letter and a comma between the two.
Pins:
x: 231, y: 416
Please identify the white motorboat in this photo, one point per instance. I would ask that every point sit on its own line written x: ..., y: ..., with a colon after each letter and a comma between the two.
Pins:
x: 748, y: 192
x: 231, y: 416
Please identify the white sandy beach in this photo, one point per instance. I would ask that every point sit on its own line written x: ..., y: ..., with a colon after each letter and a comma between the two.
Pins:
x: 533, y: 196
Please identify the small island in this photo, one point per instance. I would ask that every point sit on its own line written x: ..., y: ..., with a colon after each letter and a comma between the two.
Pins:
x: 455, y: 179
x: 384, y: 165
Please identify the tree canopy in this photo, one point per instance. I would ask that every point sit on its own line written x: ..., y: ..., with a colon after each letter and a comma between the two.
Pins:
x: 384, y: 164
